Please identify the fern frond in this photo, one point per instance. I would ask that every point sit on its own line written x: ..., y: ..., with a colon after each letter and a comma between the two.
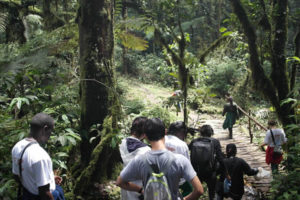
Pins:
x: 3, y: 21
x: 133, y: 42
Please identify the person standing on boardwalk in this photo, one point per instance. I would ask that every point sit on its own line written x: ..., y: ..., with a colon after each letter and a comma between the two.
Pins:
x: 232, y: 114
x: 159, y: 158
x: 206, y: 156
x: 174, y: 142
x: 131, y: 147
x: 275, y: 137
x: 236, y: 168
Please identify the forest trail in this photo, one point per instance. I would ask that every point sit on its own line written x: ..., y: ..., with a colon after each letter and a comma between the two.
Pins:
x: 249, y: 152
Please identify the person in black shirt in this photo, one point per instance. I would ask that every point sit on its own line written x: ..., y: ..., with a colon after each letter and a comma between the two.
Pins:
x: 206, y: 131
x: 236, y: 167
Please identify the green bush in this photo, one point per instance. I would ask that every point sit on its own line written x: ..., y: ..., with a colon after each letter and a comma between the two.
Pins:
x: 134, y: 106
x: 157, y: 111
x: 147, y: 68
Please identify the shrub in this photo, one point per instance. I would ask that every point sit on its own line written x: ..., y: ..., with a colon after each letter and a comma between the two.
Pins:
x: 160, y: 112
x: 134, y: 106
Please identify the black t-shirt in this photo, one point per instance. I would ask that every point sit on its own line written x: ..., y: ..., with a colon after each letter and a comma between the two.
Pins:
x: 237, y: 167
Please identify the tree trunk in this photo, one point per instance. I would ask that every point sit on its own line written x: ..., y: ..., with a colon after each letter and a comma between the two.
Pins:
x: 51, y: 21
x: 125, y: 60
x: 97, y: 92
x: 15, y: 28
x: 96, y: 51
x: 277, y: 88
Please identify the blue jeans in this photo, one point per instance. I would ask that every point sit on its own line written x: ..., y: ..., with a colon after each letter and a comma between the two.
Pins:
x: 58, y: 193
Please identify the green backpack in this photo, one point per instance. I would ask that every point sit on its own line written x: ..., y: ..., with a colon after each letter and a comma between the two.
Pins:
x: 157, y: 187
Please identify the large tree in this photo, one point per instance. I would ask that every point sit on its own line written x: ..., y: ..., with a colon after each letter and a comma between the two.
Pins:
x: 97, y: 92
x: 276, y: 86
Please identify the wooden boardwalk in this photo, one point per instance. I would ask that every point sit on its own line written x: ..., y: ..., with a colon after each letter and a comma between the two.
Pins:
x: 249, y: 152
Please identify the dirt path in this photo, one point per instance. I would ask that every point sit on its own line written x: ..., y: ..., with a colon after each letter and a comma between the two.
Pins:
x: 249, y: 152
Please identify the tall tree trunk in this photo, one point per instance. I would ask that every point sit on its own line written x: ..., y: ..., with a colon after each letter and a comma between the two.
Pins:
x: 51, y: 21
x: 97, y: 91
x: 277, y: 88
x: 96, y: 51
x: 15, y: 29
x: 125, y: 60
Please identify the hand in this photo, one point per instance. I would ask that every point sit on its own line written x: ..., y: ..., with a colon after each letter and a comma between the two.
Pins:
x: 58, y: 180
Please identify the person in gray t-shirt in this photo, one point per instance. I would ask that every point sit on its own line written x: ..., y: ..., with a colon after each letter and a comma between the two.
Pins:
x: 159, y: 155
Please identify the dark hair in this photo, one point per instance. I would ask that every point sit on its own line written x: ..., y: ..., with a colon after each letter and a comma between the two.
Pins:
x: 177, y: 127
x: 231, y: 150
x: 154, y: 129
x: 137, y: 127
x: 272, y: 122
x: 39, y: 121
x: 206, y: 130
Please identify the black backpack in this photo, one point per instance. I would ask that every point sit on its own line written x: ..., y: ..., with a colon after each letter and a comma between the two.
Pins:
x: 203, y: 156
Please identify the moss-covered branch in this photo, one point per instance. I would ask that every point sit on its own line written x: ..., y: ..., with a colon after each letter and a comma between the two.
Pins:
x: 295, y: 65
x: 217, y: 43
x: 262, y: 82
x: 85, y: 177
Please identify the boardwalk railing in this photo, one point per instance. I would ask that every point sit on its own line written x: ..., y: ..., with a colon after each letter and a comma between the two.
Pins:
x: 249, y: 122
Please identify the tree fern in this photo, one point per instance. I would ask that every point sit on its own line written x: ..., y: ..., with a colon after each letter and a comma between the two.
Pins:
x: 3, y: 21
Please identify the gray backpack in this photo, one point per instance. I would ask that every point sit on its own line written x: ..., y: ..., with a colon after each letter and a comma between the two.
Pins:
x: 157, y: 187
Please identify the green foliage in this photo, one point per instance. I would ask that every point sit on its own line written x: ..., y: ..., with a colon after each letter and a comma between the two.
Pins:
x: 134, y: 106
x: 39, y: 77
x: 148, y: 68
x: 160, y: 112
x: 223, y: 76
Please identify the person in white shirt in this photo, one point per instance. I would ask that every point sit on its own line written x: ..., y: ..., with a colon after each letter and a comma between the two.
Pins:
x: 36, y: 177
x: 279, y: 138
x: 174, y: 142
x: 131, y: 147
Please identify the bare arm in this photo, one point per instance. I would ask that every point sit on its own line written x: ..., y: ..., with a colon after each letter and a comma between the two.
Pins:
x: 44, y: 192
x: 127, y: 185
x: 197, y: 191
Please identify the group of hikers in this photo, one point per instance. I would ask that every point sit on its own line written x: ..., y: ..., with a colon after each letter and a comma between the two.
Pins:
x: 165, y: 168
x: 171, y: 166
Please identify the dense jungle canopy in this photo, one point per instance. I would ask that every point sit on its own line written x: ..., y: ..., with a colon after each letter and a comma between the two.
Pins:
x: 96, y: 65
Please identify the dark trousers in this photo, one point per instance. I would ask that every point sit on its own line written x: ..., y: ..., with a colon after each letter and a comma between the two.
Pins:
x: 211, y: 184
x: 58, y: 194
x: 274, y: 168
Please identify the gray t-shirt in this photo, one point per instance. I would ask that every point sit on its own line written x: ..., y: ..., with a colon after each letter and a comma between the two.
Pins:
x: 180, y: 168
x: 279, y: 137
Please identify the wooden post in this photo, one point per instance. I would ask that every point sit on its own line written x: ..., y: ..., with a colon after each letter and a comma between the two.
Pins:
x: 255, y: 121
x: 250, y: 132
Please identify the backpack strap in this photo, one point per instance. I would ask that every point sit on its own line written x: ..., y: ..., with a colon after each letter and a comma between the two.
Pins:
x: 154, y: 167
x: 273, y: 137
x: 20, y: 167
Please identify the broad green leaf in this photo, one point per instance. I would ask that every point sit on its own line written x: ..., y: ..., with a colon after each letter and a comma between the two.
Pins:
x: 71, y: 140
x: 65, y: 118
x: 19, y: 103
x: 175, y: 75
x: 62, y: 154
x: 223, y: 29
x: 288, y: 100
x: 62, y: 140
x: 133, y: 42
x: 227, y: 33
